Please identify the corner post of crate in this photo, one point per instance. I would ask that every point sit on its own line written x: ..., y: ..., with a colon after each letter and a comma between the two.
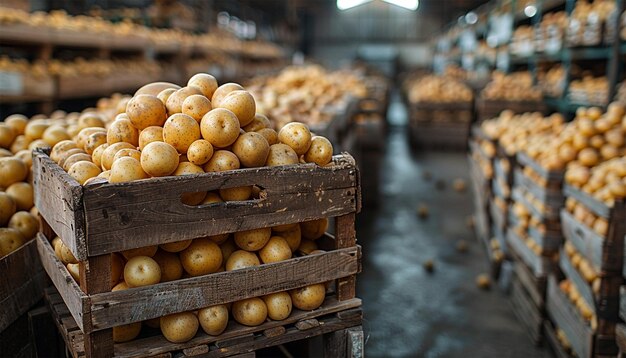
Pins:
x: 345, y: 237
x: 95, y: 277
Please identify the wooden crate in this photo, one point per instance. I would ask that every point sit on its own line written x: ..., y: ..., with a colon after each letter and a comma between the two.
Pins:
x: 585, y: 342
x: 481, y: 195
x: 540, y: 266
x: 487, y: 109
x: 553, y: 342
x: 332, y: 316
x: 21, y: 283
x: 440, y: 125
x: 528, y: 313
x: 145, y: 213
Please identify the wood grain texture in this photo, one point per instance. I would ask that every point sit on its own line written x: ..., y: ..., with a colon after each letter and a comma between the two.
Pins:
x: 95, y: 277
x: 586, y: 241
x: 526, y: 311
x: 336, y: 344
x: 72, y: 295
x: 115, y: 308
x: 591, y: 203
x: 355, y: 342
x: 195, y: 351
x: 549, y: 196
x: 566, y: 317
x: 22, y: 280
x: 273, y: 332
x: 575, y: 278
x: 534, y: 286
x: 307, y: 324
x: 345, y: 236
x: 539, y: 265
x: 59, y: 200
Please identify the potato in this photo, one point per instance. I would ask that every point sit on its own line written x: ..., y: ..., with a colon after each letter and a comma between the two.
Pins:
x: 241, y: 259
x: 297, y: 136
x: 106, y: 159
x: 206, y: 83
x: 127, y: 152
x: 61, y: 148
x: 165, y: 94
x: 236, y: 194
x: 180, y: 130
x: 81, y: 138
x: 270, y: 135
x: 10, y: 240
x: 213, y: 319
x: 196, y: 106
x: 18, y: 122
x: 7, y: 208
x: 320, y: 151
x: 38, y: 143
x: 35, y: 128
x: 25, y: 223
x: 90, y: 119
x: 202, y: 257
x: 126, y: 332
x: 259, y: 122
x: 308, y: 298
x: 222, y: 160
x: 171, y: 268
x: 149, y: 135
x: 20, y: 143
x: 75, y: 158
x: 588, y: 157
x: 220, y: 127
x: 155, y: 87
x: 12, y: 170
x: 199, y: 152
x: 122, y: 130
x: 145, y: 111
x: 186, y: 168
x: 222, y: 91
x: 179, y: 327
x: 84, y: 170
x: 94, y: 140
x: 307, y: 246
x: 64, y: 254
x: 7, y: 135
x: 253, y: 240
x: 126, y: 169
x: 22, y: 195
x: 74, y: 270
x: 314, y: 229
x: 227, y: 248
x: 159, y: 159
x: 278, y: 305
x: 140, y: 251
x: 96, y: 156
x: 177, y: 246
x: 175, y: 101
x: 54, y: 134
x: 252, y: 149
x: 141, y: 271
x: 281, y: 154
x: 277, y: 249
x: 293, y: 236
x: 242, y: 104
x: 250, y: 312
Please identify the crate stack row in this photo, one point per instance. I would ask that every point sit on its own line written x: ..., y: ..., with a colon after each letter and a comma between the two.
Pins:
x: 481, y: 163
x: 99, y: 219
x: 440, y: 125
x: 534, y: 238
x: 583, y: 299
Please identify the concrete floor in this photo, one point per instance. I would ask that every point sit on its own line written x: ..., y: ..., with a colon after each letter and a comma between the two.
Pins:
x: 408, y: 311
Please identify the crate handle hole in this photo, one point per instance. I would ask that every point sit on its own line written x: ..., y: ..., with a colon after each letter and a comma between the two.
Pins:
x: 225, y: 196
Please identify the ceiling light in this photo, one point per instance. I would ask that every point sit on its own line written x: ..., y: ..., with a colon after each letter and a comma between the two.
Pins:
x: 530, y: 10
x: 407, y: 4
x: 348, y: 4
x: 471, y: 18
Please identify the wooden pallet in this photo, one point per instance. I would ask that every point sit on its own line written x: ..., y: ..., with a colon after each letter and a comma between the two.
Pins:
x: 22, y: 281
x: 332, y: 316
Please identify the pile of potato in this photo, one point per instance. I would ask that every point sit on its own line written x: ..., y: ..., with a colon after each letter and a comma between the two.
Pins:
x: 516, y: 86
x: 438, y: 89
x: 522, y: 42
x: 190, y: 258
x: 526, y: 220
x: 307, y: 93
x: 605, y: 182
x: 589, y: 90
x: 552, y: 82
x: 586, y: 21
x: 18, y: 216
x: 576, y: 299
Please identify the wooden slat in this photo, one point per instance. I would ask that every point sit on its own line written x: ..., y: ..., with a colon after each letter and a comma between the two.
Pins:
x: 596, y: 206
x: 586, y: 241
x: 273, y: 332
x: 550, y: 197
x: 22, y: 281
x: 355, y: 343
x: 345, y: 237
x: 574, y: 276
x: 553, y: 341
x: 534, y: 286
x: 526, y: 311
x: 95, y: 277
x: 122, y: 307
x: 539, y: 265
x: 620, y: 337
x: 59, y: 200
x: 195, y: 351
x: 566, y: 317
x: 307, y: 324
x: 62, y: 280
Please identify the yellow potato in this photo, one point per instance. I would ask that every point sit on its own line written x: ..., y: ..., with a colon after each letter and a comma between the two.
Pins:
x: 281, y: 154
x: 297, y: 136
x: 180, y: 130
x: 279, y: 305
x: 90, y: 119
x: 293, y: 236
x: 149, y: 135
x: 241, y: 259
x: 20, y: 143
x: 122, y: 130
x: 270, y: 135
x: 175, y: 101
x: 252, y: 149
x: 81, y: 138
x: 253, y: 240
x: 126, y: 169
x: 308, y: 298
x: 202, y: 257
x: 145, y: 111
x: 206, y: 83
x: 94, y: 140
x: 307, y: 246
x: 196, y: 106
x: 126, y: 332
x: 242, y: 104
x: 222, y: 160
x: 18, y: 122
x: 227, y: 248
x: 171, y: 268
x: 179, y: 327
x: 25, y: 223
x: 320, y: 151
x: 141, y: 271
x: 22, y: 195
x: 165, y: 94
x: 200, y: 152
x: 38, y: 143
x: 35, y: 128
x: 220, y: 127
x: 176, y: 246
x: 277, y: 249
x: 187, y: 168
x: 159, y: 159
x: 84, y: 170
x: 75, y: 158
x: 213, y: 319
x: 314, y: 229
x: 155, y: 87
x: 7, y: 135
x: 222, y: 91
x: 7, y: 208
x: 96, y: 156
x: 259, y: 122
x: 10, y: 240
x: 12, y: 170
x: 140, y: 251
x: 250, y: 312
x: 236, y: 194
x: 127, y: 152
x: 60, y: 148
x: 54, y: 134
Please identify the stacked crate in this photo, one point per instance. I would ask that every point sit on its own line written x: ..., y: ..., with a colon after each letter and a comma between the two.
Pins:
x: 534, y: 238
x: 481, y: 156
x: 440, y: 125
x: 502, y: 184
x: 99, y: 219
x: 490, y: 108
x: 584, y: 306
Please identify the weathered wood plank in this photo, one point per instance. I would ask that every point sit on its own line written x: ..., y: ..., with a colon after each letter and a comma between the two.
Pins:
x: 197, y: 350
x: 273, y: 332
x: 553, y: 341
x: 587, y: 242
x: 345, y: 236
x: 539, y: 265
x: 63, y: 281
x: 355, y: 342
x: 229, y: 342
x: 21, y: 283
x: 115, y: 308
x: 534, y: 286
x: 95, y: 277
x: 307, y: 324
x: 59, y: 200
x: 530, y: 315
x: 596, y: 206
x: 336, y: 344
